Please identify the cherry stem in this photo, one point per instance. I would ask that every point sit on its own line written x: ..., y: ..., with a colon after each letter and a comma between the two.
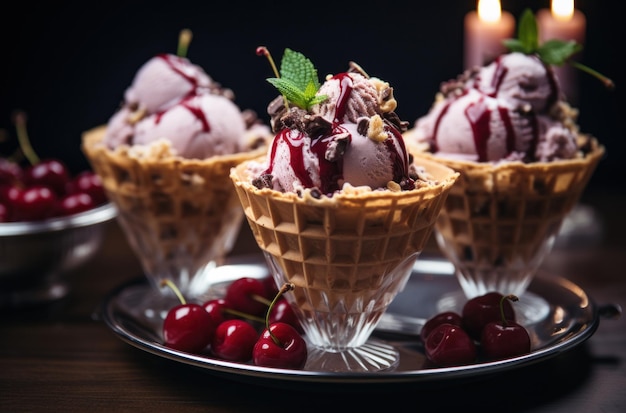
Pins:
x: 506, y: 297
x: 22, y: 137
x: 184, y: 38
x: 263, y: 51
x: 261, y: 299
x: 285, y: 287
x: 243, y: 315
x: 170, y: 284
x: 608, y: 83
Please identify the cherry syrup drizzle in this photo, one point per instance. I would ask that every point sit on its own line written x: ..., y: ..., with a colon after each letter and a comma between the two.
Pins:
x: 188, y: 102
x: 479, y: 115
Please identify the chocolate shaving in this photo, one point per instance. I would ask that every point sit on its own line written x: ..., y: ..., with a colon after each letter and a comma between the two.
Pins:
x: 263, y: 181
x: 275, y: 110
x: 393, y: 119
x: 250, y: 118
x: 407, y: 184
x: 317, y: 126
x: 337, y: 147
x: 295, y: 118
x: 585, y: 144
x: 455, y: 87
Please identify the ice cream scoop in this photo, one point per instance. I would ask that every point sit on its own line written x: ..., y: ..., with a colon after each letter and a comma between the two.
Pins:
x: 506, y: 111
x: 199, y: 126
x: 163, y: 81
x: 351, y: 137
x: 172, y: 99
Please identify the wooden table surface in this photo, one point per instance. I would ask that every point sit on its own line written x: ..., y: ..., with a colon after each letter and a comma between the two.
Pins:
x: 61, y: 358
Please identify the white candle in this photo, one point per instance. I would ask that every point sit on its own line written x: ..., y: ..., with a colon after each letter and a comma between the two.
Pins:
x: 563, y: 22
x: 484, y: 32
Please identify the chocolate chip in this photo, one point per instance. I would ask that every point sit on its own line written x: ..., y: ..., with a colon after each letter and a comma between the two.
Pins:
x: 363, y: 125
x: 316, y: 193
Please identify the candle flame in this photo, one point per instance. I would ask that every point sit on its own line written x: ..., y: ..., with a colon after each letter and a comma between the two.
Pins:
x: 563, y: 9
x: 489, y: 10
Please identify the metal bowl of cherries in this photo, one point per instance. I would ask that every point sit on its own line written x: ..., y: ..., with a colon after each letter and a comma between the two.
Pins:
x: 51, y: 222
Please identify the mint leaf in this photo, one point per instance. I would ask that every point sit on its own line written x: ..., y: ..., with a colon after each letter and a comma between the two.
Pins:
x: 514, y: 45
x: 299, y: 69
x: 556, y: 52
x: 528, y: 33
x: 298, y: 81
x: 552, y: 52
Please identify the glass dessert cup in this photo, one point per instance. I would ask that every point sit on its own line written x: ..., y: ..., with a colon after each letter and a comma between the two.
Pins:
x: 499, y: 223
x: 347, y: 256
x: 180, y: 216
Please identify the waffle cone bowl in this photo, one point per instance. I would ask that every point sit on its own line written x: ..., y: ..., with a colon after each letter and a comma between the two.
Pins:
x: 500, y: 221
x: 347, y: 256
x: 179, y: 215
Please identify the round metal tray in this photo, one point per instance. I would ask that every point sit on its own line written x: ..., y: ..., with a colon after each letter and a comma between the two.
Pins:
x: 572, y: 318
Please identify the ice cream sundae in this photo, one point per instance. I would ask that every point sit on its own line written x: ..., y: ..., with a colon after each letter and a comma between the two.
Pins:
x: 524, y: 163
x: 337, y: 205
x: 164, y: 158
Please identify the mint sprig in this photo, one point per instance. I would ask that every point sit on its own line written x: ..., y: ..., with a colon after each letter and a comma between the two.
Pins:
x: 552, y: 52
x: 297, y: 80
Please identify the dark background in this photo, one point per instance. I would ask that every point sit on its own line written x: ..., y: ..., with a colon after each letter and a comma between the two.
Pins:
x: 67, y: 63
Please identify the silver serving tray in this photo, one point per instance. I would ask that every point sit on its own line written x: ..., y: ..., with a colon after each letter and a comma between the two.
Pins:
x: 572, y: 318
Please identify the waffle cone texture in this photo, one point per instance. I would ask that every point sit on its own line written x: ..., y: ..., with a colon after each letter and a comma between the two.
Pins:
x: 172, y: 208
x: 498, y: 214
x: 339, y: 250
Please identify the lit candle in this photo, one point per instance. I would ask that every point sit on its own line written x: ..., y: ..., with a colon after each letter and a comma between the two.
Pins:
x: 563, y: 22
x: 484, y: 32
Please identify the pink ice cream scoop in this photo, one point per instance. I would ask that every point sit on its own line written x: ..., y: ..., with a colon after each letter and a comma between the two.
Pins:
x: 172, y: 99
x: 508, y: 110
x: 352, y: 137
x: 163, y: 81
x: 204, y: 126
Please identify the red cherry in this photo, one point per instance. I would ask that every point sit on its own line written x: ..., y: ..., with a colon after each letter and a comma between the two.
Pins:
x: 282, y: 312
x: 89, y: 183
x: 504, y: 338
x: 9, y: 193
x: 449, y: 345
x: 75, y: 203
x: 247, y: 295
x: 449, y: 317
x: 35, y: 203
x: 280, y: 346
x: 187, y: 326
x: 234, y: 340
x: 270, y: 287
x: 10, y: 172
x: 500, y: 341
x: 9, y: 196
x: 5, y: 214
x: 49, y: 172
x: 479, y: 311
x: 217, y: 309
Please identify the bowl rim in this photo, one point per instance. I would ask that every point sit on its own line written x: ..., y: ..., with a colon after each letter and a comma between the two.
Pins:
x: 93, y: 216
